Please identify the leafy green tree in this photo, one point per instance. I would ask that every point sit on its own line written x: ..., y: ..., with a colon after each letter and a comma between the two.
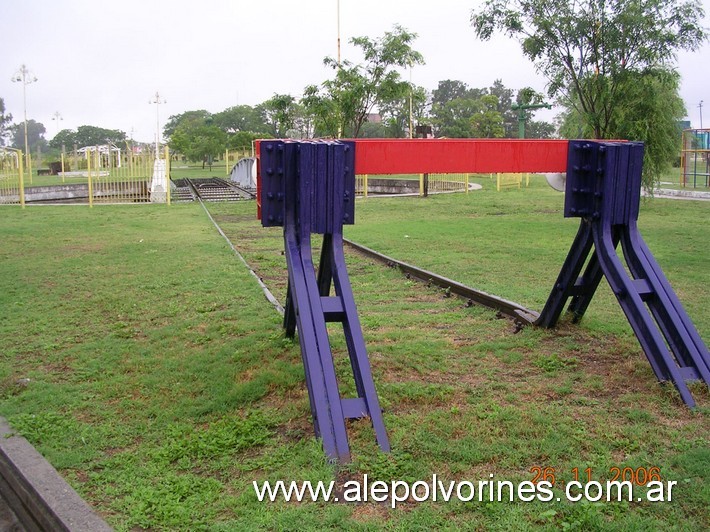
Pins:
x: 460, y: 111
x: 5, y: 121
x: 279, y: 114
x: 538, y: 129
x: 241, y: 118
x: 66, y: 138
x: 347, y: 99
x: 198, y: 116
x: 505, y: 102
x: 486, y: 121
x: 649, y: 110
x: 198, y: 141
x: 96, y: 136
x: 35, y: 136
x: 590, y: 50
x: 322, y: 111
x: 373, y: 130
x: 448, y: 90
x: 453, y: 119
x: 243, y: 139
x: 395, y: 114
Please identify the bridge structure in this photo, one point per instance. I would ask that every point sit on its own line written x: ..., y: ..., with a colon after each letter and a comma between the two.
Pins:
x: 308, y: 187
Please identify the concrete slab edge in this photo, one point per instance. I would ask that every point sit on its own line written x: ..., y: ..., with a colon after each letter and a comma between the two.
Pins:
x: 39, y: 496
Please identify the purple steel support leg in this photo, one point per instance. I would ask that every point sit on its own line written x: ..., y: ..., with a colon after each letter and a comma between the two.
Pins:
x: 308, y: 188
x: 603, y: 188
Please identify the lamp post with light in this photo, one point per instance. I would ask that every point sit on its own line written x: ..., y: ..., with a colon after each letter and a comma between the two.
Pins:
x: 160, y: 184
x: 57, y: 117
x: 24, y: 76
x: 157, y: 100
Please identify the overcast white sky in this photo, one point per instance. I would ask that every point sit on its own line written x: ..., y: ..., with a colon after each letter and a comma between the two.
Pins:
x: 99, y: 63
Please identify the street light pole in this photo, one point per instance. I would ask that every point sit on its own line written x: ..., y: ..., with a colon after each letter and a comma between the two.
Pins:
x: 338, y: 32
x: 700, y: 106
x: 56, y: 116
x: 157, y: 100
x: 24, y: 76
x: 411, y: 122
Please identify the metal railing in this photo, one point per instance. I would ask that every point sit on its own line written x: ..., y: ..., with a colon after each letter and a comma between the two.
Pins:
x: 421, y: 184
x: 12, y: 187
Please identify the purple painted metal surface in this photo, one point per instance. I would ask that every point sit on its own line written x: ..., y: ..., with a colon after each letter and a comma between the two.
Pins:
x: 604, y: 188
x: 308, y: 187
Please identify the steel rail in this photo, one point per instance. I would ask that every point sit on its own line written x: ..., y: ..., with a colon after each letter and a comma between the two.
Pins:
x: 511, y: 309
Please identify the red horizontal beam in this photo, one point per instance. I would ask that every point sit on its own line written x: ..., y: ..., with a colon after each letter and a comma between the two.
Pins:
x: 416, y: 156
x: 434, y: 156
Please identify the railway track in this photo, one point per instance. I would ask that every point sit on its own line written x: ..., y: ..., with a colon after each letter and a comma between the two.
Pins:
x: 519, y: 313
x: 211, y: 189
x: 510, y: 309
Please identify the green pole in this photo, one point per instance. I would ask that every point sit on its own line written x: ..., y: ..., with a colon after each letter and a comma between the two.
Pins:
x: 522, y: 115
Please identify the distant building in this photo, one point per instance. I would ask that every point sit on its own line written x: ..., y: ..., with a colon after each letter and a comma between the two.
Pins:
x: 374, y: 118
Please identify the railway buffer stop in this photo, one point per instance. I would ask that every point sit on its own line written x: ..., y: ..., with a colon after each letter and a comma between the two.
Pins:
x: 308, y: 187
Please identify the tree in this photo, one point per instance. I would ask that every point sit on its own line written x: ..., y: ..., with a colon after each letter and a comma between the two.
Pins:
x: 243, y: 139
x: 395, y: 114
x: 199, y: 116
x: 649, y: 109
x: 486, y: 121
x: 346, y: 100
x: 505, y: 102
x: 461, y: 111
x: 322, y: 110
x: 5, y: 120
x: 280, y: 113
x: 97, y: 136
x: 538, y: 129
x: 448, y: 90
x: 241, y: 118
x: 453, y: 119
x: 590, y: 49
x: 66, y: 138
x: 199, y: 141
x: 35, y: 136
x: 373, y: 130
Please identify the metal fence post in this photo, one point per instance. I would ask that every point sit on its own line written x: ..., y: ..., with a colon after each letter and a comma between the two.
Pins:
x: 167, y: 175
x: 22, y: 180
x: 88, y: 174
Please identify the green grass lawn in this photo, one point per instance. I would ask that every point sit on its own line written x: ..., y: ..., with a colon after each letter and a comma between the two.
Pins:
x: 160, y: 384
x: 513, y: 243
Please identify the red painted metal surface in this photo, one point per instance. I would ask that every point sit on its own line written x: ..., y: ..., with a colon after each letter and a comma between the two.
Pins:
x: 257, y: 151
x: 416, y: 156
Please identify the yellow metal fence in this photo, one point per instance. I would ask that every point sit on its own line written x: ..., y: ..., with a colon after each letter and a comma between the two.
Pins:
x: 438, y: 183
x: 91, y: 177
x: 110, y: 183
x: 511, y: 180
x: 12, y: 188
x: 421, y: 184
x: 232, y: 157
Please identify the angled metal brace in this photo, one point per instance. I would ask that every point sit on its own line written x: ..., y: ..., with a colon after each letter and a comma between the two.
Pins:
x: 308, y: 187
x: 603, y: 188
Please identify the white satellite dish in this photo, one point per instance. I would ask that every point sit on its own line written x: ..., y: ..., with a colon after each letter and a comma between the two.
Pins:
x: 556, y: 180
